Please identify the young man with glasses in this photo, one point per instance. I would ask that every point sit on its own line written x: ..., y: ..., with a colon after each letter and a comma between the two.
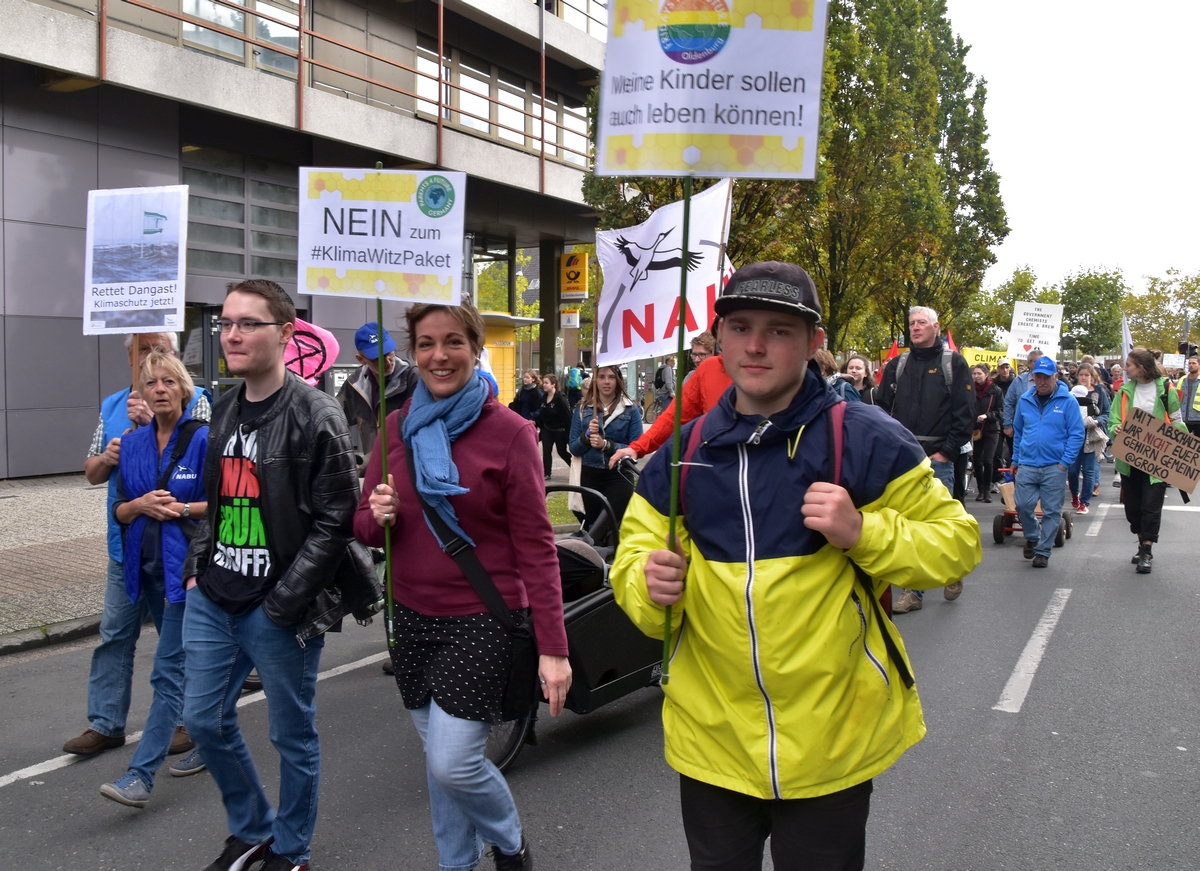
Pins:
x: 258, y: 573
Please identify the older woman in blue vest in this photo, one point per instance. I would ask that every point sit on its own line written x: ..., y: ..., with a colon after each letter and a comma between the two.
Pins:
x: 160, y: 495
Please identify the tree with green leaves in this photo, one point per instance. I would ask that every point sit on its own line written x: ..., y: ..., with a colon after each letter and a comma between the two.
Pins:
x: 1156, y: 317
x: 1092, y: 309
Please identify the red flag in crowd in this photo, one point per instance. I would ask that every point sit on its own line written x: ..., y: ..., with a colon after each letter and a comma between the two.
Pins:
x: 950, y: 341
x: 894, y: 352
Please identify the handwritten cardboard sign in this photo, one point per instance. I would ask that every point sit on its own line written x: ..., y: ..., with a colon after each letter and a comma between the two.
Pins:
x: 1159, y: 449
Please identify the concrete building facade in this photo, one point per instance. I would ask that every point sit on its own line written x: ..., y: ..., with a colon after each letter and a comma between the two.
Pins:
x: 230, y: 99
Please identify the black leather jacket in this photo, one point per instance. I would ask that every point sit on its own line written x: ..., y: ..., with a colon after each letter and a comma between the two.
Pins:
x: 309, y: 492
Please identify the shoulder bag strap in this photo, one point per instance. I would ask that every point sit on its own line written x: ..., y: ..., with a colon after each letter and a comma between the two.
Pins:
x: 181, y: 445
x: 463, y: 554
x: 836, y: 418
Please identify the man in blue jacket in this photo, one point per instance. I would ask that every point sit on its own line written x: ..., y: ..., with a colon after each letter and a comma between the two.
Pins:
x: 1048, y: 433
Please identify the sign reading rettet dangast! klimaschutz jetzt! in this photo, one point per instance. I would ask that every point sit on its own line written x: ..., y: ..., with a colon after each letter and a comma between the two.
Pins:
x: 133, y: 270
x: 390, y: 233
x: 722, y: 88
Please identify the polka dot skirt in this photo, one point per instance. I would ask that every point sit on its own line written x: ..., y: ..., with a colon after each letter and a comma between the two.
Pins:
x: 463, y: 662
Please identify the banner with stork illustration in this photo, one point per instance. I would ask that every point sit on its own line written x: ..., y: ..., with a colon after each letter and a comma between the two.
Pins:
x: 639, y: 308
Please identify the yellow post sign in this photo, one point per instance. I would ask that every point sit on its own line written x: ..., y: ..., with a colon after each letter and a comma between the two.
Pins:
x: 574, y: 276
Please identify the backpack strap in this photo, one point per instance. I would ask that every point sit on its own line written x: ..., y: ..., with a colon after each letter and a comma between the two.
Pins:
x: 689, y: 451
x: 836, y: 420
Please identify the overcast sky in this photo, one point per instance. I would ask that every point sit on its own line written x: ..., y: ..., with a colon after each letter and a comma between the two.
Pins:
x: 1095, y: 132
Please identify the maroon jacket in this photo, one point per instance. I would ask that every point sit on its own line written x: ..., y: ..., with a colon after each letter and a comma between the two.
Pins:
x: 505, y: 513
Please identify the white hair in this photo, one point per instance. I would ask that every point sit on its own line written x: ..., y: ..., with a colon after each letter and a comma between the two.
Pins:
x: 172, y: 340
x: 924, y: 310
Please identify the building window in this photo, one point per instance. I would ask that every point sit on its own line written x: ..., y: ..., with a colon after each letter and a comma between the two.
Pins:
x: 243, y: 214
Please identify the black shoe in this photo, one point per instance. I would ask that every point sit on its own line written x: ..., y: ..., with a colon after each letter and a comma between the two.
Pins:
x: 252, y: 683
x: 387, y: 666
x: 522, y: 860
x: 987, y: 497
x: 1028, y: 551
x: 1143, y: 566
x: 275, y: 862
x: 979, y: 496
x: 1040, y: 562
x: 237, y: 855
x: 1137, y: 557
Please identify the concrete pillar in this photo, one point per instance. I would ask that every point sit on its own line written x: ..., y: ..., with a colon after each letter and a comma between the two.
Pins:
x: 550, y: 256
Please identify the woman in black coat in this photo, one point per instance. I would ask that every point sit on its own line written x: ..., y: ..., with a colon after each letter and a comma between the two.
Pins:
x: 989, y: 410
x: 554, y: 422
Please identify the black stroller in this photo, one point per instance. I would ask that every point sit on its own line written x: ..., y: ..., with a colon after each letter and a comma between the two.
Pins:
x: 610, y: 657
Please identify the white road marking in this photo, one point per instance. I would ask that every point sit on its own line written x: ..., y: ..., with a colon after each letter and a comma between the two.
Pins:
x: 1013, y: 695
x: 1100, y: 513
x: 71, y: 758
x: 1180, y: 508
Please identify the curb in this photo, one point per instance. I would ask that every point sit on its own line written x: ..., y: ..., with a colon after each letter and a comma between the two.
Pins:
x: 53, y: 633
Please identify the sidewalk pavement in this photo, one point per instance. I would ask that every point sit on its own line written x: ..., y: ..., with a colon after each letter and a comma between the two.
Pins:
x: 53, y: 560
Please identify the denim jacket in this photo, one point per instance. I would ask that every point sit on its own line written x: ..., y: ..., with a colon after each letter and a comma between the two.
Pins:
x: 621, y: 428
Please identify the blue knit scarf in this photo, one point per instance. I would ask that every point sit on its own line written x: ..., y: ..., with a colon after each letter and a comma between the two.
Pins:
x: 429, y: 429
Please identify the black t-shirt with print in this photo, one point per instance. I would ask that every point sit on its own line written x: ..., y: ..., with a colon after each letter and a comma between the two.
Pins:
x: 242, y: 569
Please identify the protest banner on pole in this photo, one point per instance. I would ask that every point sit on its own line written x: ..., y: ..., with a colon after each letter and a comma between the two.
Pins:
x: 135, y: 261
x: 1173, y: 361
x: 725, y: 88
x: 639, y: 306
x: 1159, y: 449
x: 382, y: 234
x: 1035, y: 325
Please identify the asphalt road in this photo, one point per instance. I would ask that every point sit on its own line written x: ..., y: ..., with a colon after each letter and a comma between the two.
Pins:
x: 1096, y: 770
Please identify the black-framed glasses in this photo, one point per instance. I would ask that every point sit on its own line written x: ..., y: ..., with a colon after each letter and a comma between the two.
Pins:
x: 245, y: 325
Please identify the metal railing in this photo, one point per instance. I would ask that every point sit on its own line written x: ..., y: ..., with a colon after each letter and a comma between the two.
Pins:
x: 545, y: 146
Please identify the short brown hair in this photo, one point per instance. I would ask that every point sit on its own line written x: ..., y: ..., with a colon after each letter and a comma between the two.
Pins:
x: 466, y: 315
x: 825, y: 361
x: 279, y: 304
x: 707, y: 341
x: 171, y: 365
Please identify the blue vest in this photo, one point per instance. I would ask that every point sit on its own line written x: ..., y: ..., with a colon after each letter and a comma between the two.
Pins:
x: 116, y: 421
x: 140, y: 470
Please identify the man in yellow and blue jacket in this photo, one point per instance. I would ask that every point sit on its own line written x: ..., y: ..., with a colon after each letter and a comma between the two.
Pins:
x: 789, y: 690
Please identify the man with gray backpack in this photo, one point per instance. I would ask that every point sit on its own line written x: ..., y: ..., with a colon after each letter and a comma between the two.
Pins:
x: 929, y: 390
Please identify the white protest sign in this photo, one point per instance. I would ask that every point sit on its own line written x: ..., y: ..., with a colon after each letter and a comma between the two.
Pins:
x: 1173, y: 361
x: 720, y: 88
x: 638, y: 308
x: 390, y: 233
x: 1035, y: 325
x: 135, y: 262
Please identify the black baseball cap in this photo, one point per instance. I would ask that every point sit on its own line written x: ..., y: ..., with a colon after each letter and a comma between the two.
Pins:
x: 771, y: 286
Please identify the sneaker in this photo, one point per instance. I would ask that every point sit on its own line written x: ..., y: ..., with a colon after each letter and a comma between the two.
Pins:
x: 1030, y: 544
x: 275, y: 862
x: 1075, y: 502
x: 1040, y: 562
x: 1096, y: 490
x: 1083, y: 509
x: 995, y: 489
x: 522, y: 860
x: 92, y: 742
x: 188, y: 765
x: 1117, y: 481
x: 238, y: 855
x: 952, y: 591
x: 129, y: 790
x: 908, y: 601
x: 181, y: 742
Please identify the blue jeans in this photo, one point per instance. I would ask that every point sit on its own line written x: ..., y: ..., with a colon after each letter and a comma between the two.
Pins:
x: 469, y: 798
x: 167, y: 680
x: 221, y: 649
x: 1089, y: 465
x: 1047, y: 483
x: 111, y: 681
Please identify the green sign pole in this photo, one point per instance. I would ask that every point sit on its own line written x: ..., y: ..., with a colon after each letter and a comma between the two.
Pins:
x: 677, y: 438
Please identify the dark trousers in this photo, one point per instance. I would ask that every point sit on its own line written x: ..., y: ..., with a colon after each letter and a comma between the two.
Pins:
x: 726, y: 830
x: 1193, y: 426
x: 984, y: 462
x: 615, y: 487
x: 960, y: 476
x: 552, y: 439
x: 1143, y: 503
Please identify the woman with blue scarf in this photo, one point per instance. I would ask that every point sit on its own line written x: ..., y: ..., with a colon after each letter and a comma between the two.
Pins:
x: 477, y: 466
x: 160, y: 494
